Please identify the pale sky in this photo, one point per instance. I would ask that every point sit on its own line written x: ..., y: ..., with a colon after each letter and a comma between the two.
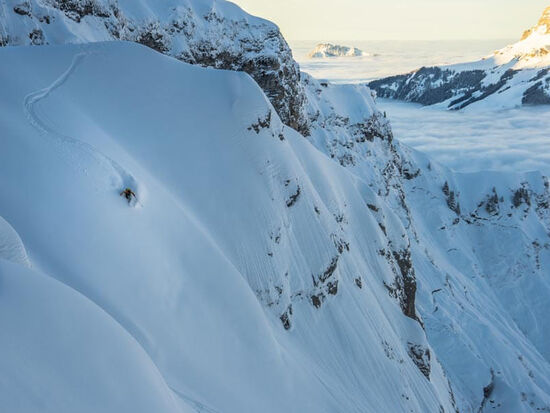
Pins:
x: 398, y: 19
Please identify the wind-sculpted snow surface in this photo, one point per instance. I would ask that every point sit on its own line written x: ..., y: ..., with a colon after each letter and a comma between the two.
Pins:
x: 258, y: 274
x: 513, y: 76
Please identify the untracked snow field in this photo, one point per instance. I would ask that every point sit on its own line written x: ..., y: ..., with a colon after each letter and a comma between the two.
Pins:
x: 515, y: 140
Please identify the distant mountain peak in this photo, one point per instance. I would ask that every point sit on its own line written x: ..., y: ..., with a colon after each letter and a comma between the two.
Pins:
x: 533, y: 50
x: 323, y: 50
x: 542, y: 27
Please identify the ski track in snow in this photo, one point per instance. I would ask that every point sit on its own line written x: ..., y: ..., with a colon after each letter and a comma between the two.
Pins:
x: 123, y: 179
x: 197, y: 406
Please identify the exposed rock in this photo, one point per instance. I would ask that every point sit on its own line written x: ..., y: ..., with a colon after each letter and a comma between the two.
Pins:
x: 37, y: 37
x: 77, y: 9
x: 374, y: 127
x: 332, y: 287
x: 262, y: 123
x: 23, y: 9
x: 153, y: 37
x: 421, y: 357
x: 285, y: 318
x: 293, y: 198
x: 317, y: 300
x: 329, y: 271
x: 488, y: 391
x: 404, y: 286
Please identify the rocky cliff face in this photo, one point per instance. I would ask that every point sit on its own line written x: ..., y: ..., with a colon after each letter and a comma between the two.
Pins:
x: 513, y: 76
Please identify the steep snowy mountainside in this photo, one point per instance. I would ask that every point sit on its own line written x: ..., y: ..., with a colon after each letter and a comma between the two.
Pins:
x: 245, y: 274
x: 483, y: 284
x: 324, y: 50
x: 513, y: 76
x: 252, y: 272
x: 477, y: 244
x: 206, y: 32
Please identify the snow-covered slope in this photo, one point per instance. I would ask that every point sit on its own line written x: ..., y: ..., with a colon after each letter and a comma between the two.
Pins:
x: 250, y: 272
x: 513, y: 76
x: 227, y: 263
x: 234, y: 270
x: 324, y: 50
x: 63, y: 353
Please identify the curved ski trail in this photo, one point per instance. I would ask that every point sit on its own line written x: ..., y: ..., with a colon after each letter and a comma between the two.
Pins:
x: 195, y: 405
x: 122, y: 178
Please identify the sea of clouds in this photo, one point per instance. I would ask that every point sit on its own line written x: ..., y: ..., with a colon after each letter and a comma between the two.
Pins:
x: 467, y: 141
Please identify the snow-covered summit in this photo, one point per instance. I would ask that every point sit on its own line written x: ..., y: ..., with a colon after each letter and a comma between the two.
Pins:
x: 324, y: 50
x: 533, y: 50
x: 542, y: 27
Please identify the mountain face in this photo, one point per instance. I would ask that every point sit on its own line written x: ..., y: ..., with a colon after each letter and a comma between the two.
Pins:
x: 168, y: 242
x: 513, y: 76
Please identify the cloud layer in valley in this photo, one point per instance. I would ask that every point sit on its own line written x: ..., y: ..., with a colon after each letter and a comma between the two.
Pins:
x: 512, y: 140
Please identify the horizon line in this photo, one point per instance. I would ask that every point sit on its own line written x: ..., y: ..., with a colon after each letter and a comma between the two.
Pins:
x: 403, y: 40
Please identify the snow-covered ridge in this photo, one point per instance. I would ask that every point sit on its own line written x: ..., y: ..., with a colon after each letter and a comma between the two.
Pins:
x: 542, y: 27
x: 206, y: 32
x: 324, y: 50
x: 513, y: 76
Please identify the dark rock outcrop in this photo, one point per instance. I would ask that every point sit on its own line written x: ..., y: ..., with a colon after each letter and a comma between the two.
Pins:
x: 421, y: 357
